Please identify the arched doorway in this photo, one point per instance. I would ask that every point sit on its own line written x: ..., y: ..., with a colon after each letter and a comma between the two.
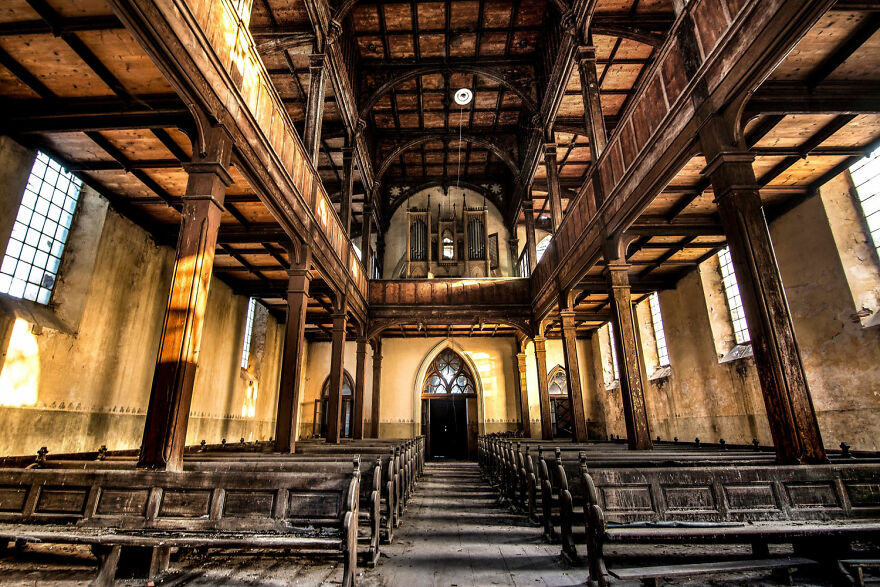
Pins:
x: 322, y: 408
x: 560, y: 405
x: 447, y: 387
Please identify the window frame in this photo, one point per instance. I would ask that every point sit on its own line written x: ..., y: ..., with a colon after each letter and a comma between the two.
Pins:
x: 50, y: 198
x: 733, y: 297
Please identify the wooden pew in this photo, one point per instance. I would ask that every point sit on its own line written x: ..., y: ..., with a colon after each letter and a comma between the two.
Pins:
x: 820, y: 509
x: 371, y: 487
x: 112, y: 509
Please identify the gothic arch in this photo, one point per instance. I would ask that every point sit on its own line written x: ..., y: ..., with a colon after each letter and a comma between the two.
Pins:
x: 423, y: 370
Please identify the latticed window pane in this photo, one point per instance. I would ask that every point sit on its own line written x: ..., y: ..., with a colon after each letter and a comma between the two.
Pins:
x: 659, y: 334
x: 866, y: 177
x: 33, y: 255
x: 558, y: 382
x: 248, y: 330
x: 448, y: 373
x: 734, y: 300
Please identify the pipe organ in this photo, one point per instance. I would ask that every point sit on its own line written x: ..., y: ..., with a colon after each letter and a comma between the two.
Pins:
x: 448, y: 243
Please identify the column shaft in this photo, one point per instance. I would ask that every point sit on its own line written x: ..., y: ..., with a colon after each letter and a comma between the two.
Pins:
x: 638, y: 435
x: 595, y: 122
x: 347, y: 188
x: 360, y: 372
x: 531, y: 245
x: 543, y: 393
x: 553, y: 188
x: 290, y: 392
x: 377, y: 384
x: 787, y: 398
x: 523, y: 387
x: 337, y: 353
x: 174, y: 377
x: 314, y: 107
x: 575, y: 391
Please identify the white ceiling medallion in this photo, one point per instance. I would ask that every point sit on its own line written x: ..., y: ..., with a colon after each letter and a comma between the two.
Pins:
x: 463, y: 97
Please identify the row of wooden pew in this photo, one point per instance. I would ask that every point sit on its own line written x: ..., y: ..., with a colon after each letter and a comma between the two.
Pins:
x: 322, y: 498
x: 592, y: 495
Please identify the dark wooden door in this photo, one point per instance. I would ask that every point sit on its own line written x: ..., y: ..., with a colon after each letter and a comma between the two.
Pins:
x: 447, y: 428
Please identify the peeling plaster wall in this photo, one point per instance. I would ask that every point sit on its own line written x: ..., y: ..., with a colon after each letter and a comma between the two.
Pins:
x: 829, y: 275
x: 841, y: 355
x: 92, y: 384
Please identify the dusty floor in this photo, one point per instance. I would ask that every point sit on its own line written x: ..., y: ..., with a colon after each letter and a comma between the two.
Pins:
x: 453, y: 534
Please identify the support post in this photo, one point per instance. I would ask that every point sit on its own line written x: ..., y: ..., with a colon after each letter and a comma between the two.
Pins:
x: 553, y: 188
x: 523, y: 392
x: 595, y: 122
x: 531, y: 245
x: 347, y: 188
x: 357, y: 431
x: 790, y: 410
x: 575, y: 390
x: 543, y: 393
x: 174, y: 377
x: 377, y: 384
x: 638, y: 435
x: 298, y: 281
x: 315, y: 107
x: 337, y: 353
x: 366, y: 238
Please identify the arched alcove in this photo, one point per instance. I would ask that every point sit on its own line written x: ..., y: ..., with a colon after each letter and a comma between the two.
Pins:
x: 447, y: 384
x: 346, y: 411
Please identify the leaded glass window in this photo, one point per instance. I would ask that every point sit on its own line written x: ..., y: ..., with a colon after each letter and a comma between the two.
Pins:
x: 449, y: 374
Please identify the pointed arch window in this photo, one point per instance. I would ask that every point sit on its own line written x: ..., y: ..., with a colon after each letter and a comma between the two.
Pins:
x: 322, y: 407
x: 449, y: 374
x: 557, y: 382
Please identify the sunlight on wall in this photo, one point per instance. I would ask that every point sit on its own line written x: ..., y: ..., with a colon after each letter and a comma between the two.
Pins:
x: 20, y: 377
x: 487, y: 372
x: 249, y: 407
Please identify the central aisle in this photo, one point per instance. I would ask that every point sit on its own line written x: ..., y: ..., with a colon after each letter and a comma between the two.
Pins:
x: 454, y: 533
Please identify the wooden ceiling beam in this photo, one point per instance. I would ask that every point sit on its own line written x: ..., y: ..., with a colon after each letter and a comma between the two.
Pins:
x: 832, y: 97
x: 60, y: 26
x: 92, y: 114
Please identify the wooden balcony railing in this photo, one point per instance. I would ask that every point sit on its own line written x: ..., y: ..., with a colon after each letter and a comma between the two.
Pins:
x: 230, y: 37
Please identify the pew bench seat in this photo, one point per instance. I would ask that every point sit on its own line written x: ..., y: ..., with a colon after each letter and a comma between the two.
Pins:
x: 821, y: 510
x: 122, y: 512
x: 649, y: 575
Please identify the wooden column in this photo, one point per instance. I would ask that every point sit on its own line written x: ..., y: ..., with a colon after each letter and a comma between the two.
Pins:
x: 337, y: 353
x: 595, y: 122
x: 377, y: 384
x: 347, y: 188
x: 790, y: 410
x: 315, y: 107
x: 638, y: 435
x: 357, y: 431
x: 531, y: 245
x: 513, y: 250
x: 575, y: 391
x: 523, y: 392
x: 553, y: 189
x: 543, y: 393
x: 173, y: 379
x: 298, y: 281
x: 366, y: 237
